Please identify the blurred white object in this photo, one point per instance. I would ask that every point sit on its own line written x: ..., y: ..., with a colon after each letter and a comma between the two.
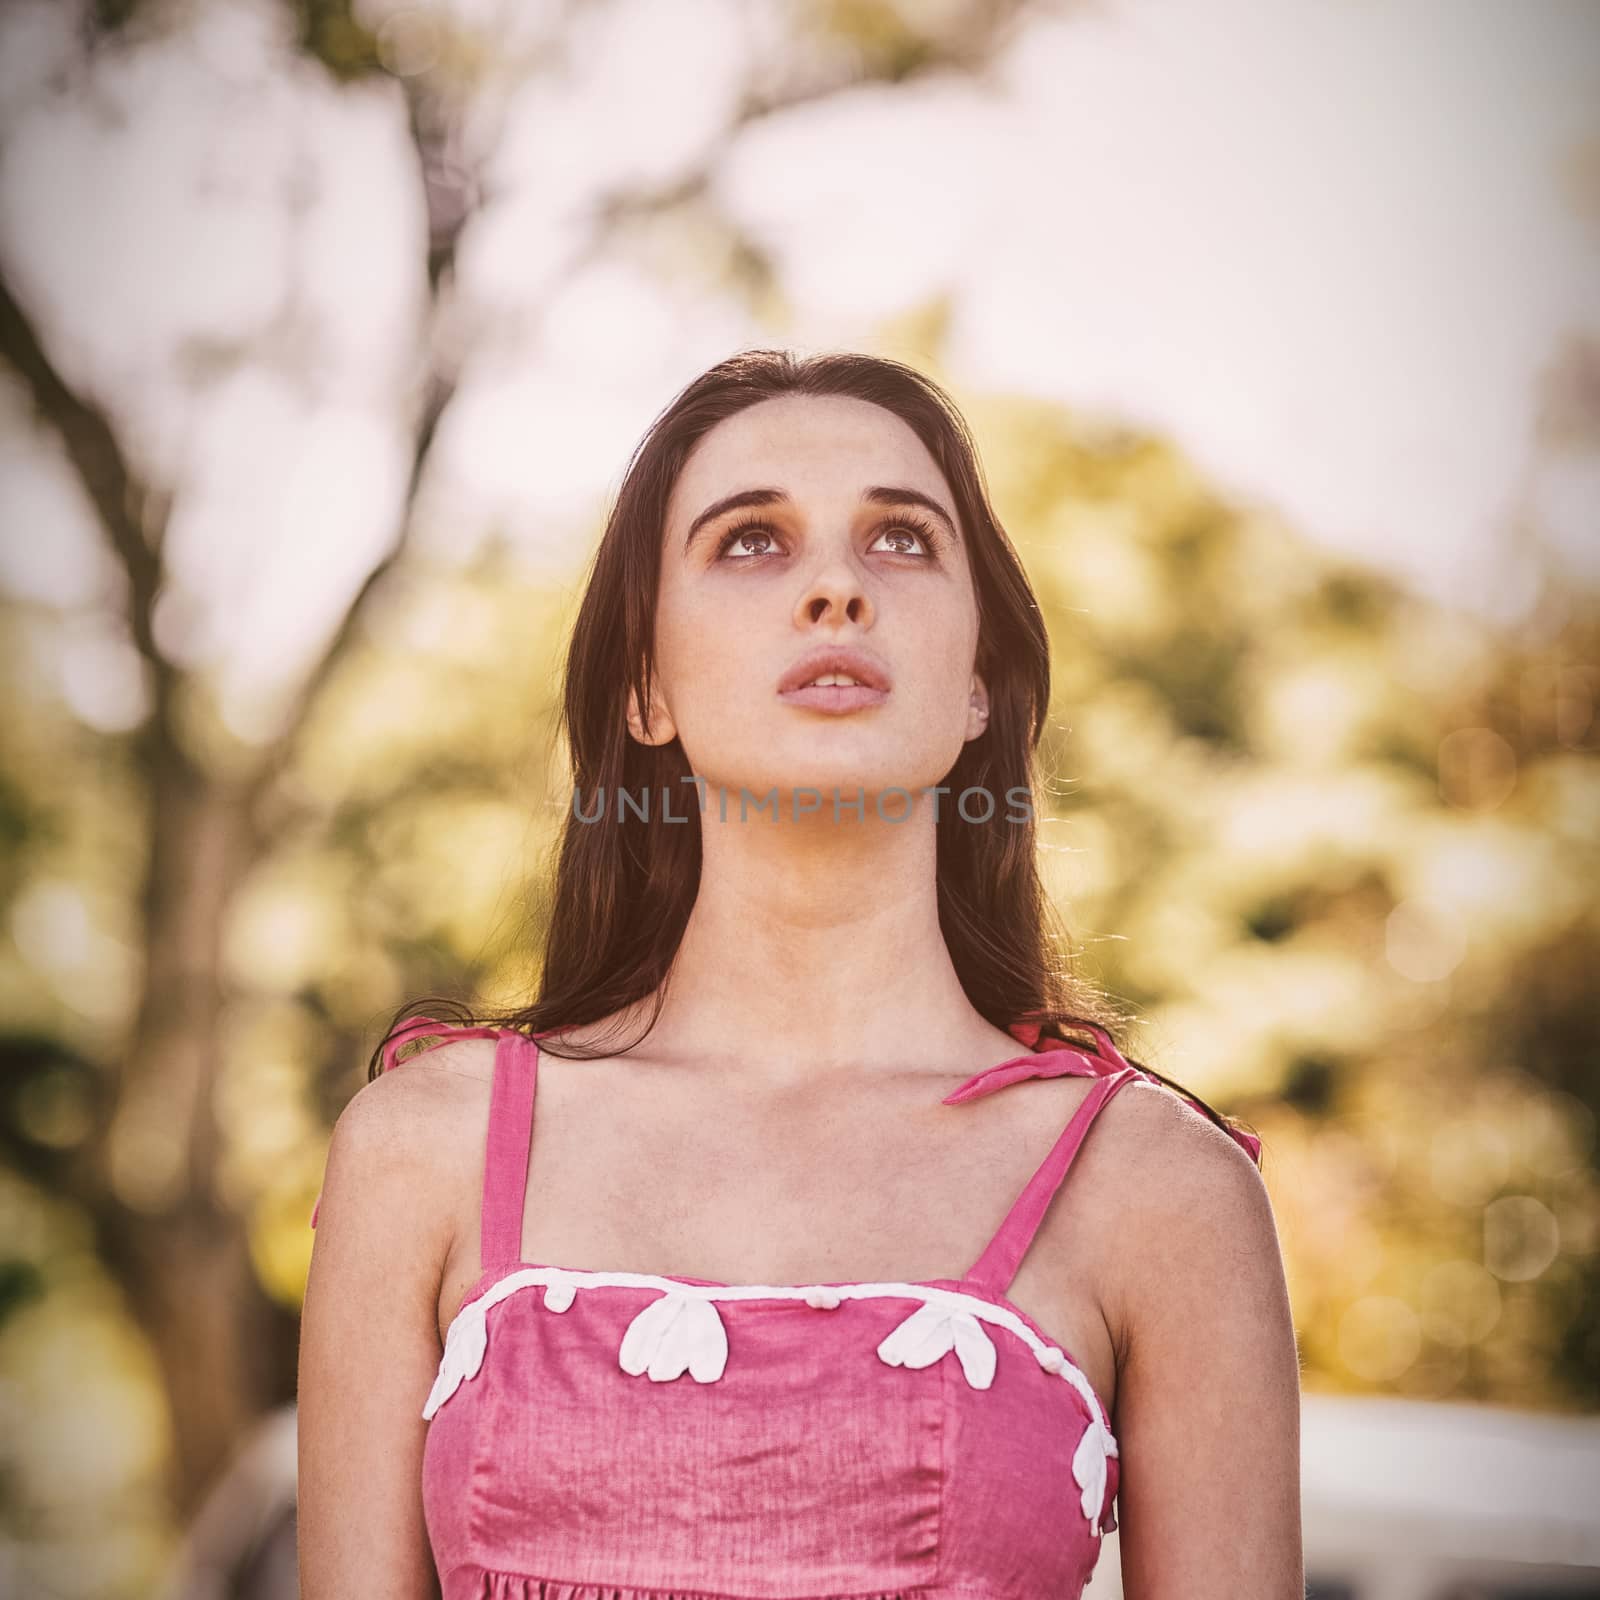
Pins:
x: 1429, y: 1500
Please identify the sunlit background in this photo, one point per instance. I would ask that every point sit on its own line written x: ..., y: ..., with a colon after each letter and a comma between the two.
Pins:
x: 327, y: 330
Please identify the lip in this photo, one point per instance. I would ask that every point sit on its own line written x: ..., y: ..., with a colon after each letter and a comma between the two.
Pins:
x: 870, y: 689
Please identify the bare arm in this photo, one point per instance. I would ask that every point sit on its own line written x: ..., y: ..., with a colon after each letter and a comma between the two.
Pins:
x: 1208, y: 1387
x: 369, y: 1341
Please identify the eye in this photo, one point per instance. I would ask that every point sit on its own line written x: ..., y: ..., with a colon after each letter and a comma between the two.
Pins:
x: 906, y: 523
x: 751, y: 528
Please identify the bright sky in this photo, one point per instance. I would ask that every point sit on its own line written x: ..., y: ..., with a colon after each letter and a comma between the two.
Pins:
x: 1326, y: 246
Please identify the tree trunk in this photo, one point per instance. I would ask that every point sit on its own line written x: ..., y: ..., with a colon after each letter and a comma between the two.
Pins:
x: 179, y: 1251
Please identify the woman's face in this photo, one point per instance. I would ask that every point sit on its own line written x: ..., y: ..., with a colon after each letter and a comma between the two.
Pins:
x: 842, y: 551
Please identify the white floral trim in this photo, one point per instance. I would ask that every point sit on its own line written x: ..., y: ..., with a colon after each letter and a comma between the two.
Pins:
x: 674, y: 1334
x: 1090, y: 1470
x: 932, y: 1331
x: 680, y: 1331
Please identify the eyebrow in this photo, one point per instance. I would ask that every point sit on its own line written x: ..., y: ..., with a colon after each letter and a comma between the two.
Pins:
x: 878, y: 495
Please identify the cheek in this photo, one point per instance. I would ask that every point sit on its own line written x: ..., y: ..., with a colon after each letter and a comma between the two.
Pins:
x: 708, y: 664
x: 938, y: 664
x: 940, y: 708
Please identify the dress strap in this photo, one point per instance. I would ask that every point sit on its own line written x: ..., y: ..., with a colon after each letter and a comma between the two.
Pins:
x: 1055, y: 1058
x: 426, y: 1027
x: 997, y: 1266
x: 506, y: 1149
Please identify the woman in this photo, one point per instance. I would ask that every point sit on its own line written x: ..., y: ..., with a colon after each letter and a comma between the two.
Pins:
x: 786, y: 1295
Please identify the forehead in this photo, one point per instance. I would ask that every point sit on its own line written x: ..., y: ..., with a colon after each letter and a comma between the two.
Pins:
x: 816, y: 445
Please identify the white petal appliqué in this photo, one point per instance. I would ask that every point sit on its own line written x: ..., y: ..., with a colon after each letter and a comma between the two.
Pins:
x: 920, y: 1340
x: 974, y: 1350
x: 1089, y: 1469
x: 932, y: 1331
x: 674, y: 1334
x: 559, y: 1294
x: 464, y: 1344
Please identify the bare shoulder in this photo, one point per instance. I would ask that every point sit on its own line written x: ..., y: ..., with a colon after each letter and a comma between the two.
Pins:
x: 405, y: 1139
x: 1163, y: 1141
x: 429, y: 1098
x: 1190, y: 1201
x: 1188, y: 1196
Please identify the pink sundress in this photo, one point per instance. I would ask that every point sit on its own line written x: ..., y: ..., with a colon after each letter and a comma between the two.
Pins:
x: 639, y: 1436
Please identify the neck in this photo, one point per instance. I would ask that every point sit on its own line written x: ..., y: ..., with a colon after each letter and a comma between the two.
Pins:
x: 814, y: 944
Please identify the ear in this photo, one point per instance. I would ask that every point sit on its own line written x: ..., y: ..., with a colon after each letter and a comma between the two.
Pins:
x: 663, y: 730
x: 977, y: 707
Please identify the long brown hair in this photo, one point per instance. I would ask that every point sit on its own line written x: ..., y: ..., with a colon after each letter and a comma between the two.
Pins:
x: 620, y: 897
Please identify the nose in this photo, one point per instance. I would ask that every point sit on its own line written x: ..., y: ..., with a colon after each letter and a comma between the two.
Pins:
x: 834, y: 592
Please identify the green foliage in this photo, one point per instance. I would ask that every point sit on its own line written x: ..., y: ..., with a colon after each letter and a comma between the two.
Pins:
x: 21, y: 1282
x: 329, y: 31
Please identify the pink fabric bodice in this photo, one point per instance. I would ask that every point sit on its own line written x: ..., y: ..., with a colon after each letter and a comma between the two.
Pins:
x: 634, y: 1436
